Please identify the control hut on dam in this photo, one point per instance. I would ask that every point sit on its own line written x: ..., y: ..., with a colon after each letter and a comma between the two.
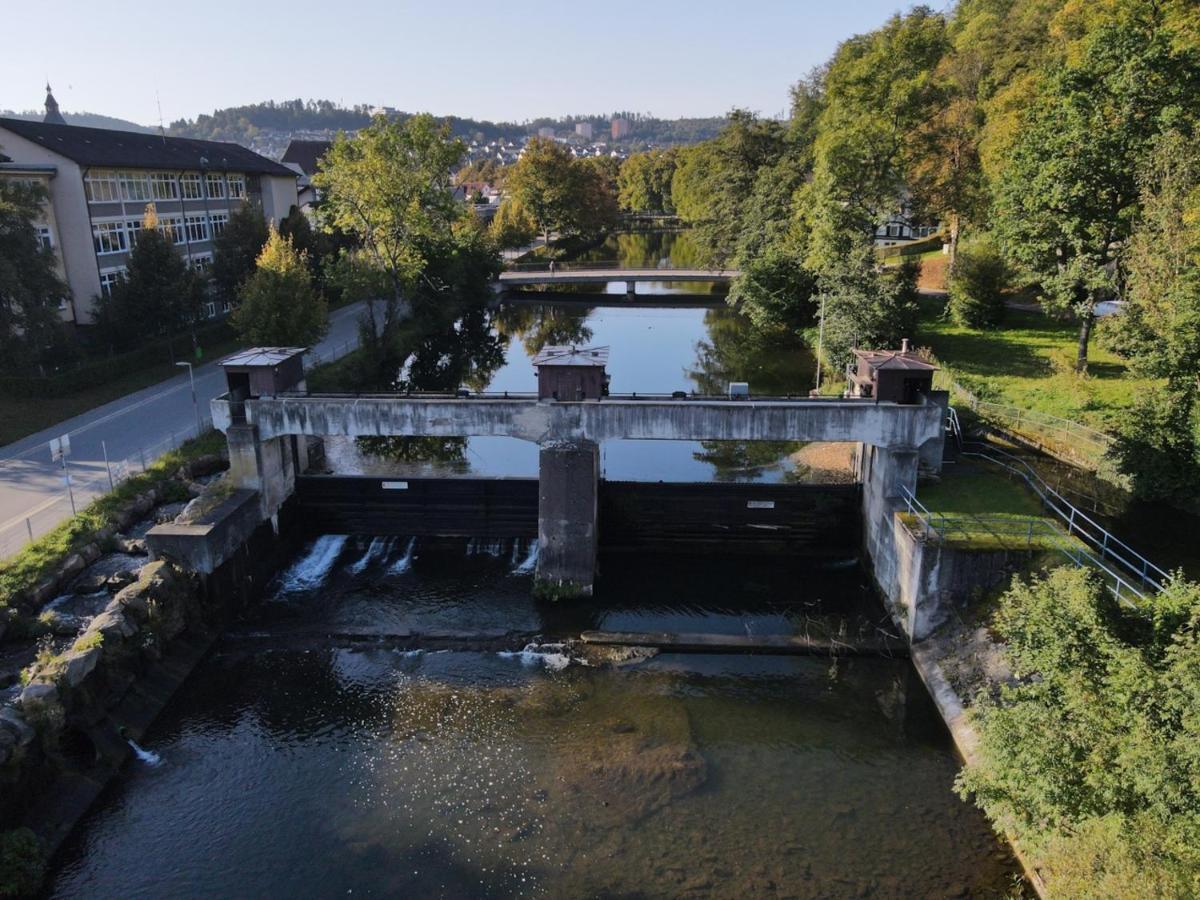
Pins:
x: 568, y: 419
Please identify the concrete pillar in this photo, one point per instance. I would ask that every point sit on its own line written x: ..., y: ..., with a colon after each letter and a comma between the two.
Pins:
x: 268, y: 467
x: 631, y: 289
x: 568, y: 476
x: 883, y: 472
x: 932, y: 449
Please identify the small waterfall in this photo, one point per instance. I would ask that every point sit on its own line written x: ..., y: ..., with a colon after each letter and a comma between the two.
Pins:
x: 529, y: 563
x: 404, y: 563
x: 552, y: 656
x: 149, y: 757
x: 379, y: 548
x: 310, y: 571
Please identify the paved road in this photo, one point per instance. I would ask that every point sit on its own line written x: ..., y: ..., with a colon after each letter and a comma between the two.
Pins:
x: 145, y: 423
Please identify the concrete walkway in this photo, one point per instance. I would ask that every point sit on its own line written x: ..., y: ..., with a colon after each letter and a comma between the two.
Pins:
x: 143, y: 424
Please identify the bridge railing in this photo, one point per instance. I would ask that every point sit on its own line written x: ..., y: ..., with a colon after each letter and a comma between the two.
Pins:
x: 607, y: 264
x: 464, y: 394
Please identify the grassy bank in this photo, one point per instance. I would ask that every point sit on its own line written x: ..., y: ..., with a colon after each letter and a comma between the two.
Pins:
x: 39, y: 559
x: 1028, y: 362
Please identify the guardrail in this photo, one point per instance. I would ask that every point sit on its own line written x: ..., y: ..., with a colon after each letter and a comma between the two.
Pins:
x: 84, y: 489
x: 944, y: 527
x: 464, y: 394
x: 608, y: 264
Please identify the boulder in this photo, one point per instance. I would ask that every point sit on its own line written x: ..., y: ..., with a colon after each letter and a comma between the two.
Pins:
x: 38, y: 693
x: 118, y: 580
x: 71, y: 566
x: 131, y: 546
x: 79, y: 664
x: 113, y: 623
x: 91, y: 552
x: 13, y: 723
x: 89, y: 584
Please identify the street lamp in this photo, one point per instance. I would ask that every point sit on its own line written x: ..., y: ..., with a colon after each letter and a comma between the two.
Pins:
x: 195, y: 403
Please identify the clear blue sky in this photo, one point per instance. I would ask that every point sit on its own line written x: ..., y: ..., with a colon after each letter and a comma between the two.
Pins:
x: 494, y: 60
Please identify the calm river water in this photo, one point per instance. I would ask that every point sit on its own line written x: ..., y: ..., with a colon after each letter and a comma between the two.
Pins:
x: 293, y: 765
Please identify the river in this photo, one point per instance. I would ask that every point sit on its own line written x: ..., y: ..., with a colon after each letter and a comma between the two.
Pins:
x: 314, y: 753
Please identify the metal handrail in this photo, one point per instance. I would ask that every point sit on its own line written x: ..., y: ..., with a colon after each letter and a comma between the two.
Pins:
x: 1077, y: 553
x: 1077, y: 521
x: 529, y: 395
x: 583, y: 265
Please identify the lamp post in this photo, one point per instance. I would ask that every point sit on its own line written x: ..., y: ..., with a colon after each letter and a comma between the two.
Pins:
x: 195, y: 403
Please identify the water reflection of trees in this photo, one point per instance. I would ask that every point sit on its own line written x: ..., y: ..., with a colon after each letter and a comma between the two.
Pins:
x: 773, y: 363
x: 649, y: 249
x: 466, y: 354
x: 538, y: 326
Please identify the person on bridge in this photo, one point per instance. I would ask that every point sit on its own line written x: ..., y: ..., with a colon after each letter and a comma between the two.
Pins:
x: 551, y: 267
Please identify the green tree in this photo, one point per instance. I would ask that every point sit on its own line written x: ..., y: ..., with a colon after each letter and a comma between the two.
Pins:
x: 280, y: 307
x: 560, y: 193
x: 30, y: 288
x: 390, y: 187
x: 1068, y: 197
x: 864, y: 307
x: 236, y: 249
x: 644, y: 183
x: 512, y: 226
x: 159, y: 296
x: 1091, y: 754
x: 978, y: 285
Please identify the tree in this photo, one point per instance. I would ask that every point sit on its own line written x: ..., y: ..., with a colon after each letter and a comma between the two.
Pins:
x: 865, y: 307
x: 390, y: 187
x: 236, y: 249
x: 30, y: 288
x: 644, y: 183
x: 512, y: 226
x: 158, y: 296
x: 1090, y: 755
x: 560, y: 193
x: 977, y: 286
x: 280, y: 307
x: 1067, y: 199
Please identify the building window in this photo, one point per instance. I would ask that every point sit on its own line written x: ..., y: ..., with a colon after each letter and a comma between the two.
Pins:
x: 45, y: 238
x: 189, y: 186
x: 162, y: 185
x: 237, y: 187
x: 210, y: 310
x: 893, y: 231
x: 101, y: 187
x: 109, y: 279
x: 133, y: 227
x: 135, y: 186
x: 216, y: 187
x: 197, y: 228
x: 109, y: 237
x: 218, y: 221
x: 202, y: 263
x: 171, y: 227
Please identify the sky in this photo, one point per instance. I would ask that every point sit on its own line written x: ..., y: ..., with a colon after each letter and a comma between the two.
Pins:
x: 508, y: 61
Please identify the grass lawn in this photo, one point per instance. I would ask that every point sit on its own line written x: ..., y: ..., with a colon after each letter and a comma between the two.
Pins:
x: 21, y: 416
x: 1027, y: 362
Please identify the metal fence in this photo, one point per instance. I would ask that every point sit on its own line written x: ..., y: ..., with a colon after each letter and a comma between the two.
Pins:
x: 87, y: 484
x: 1074, y: 439
x: 1032, y: 531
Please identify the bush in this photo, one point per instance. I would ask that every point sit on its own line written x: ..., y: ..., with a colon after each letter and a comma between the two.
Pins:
x: 1156, y: 447
x: 977, y: 285
x: 22, y: 863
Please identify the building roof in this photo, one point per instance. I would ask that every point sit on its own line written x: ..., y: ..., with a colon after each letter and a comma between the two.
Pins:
x: 130, y: 149
x: 306, y: 154
x: 572, y: 356
x: 892, y: 359
x: 262, y: 356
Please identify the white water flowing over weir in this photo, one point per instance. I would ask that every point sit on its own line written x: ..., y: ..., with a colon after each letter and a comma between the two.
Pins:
x: 404, y: 563
x: 379, y: 548
x: 310, y: 570
x: 149, y: 757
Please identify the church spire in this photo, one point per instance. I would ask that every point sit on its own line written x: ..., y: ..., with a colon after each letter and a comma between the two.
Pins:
x: 53, y: 116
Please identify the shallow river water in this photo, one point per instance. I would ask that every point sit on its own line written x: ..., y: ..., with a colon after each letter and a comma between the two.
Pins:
x: 293, y: 765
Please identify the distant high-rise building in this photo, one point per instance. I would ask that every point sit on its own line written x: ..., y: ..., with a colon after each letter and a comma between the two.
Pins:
x: 546, y: 131
x: 584, y: 130
x: 620, y: 128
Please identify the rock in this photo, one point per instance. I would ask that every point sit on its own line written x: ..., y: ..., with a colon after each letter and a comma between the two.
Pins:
x: 37, y: 694
x: 89, y: 584
x: 131, y: 546
x: 118, y: 580
x: 14, y: 724
x: 71, y: 566
x: 134, y: 599
x: 91, y: 553
x: 113, y: 623
x: 167, y: 512
x: 79, y: 664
